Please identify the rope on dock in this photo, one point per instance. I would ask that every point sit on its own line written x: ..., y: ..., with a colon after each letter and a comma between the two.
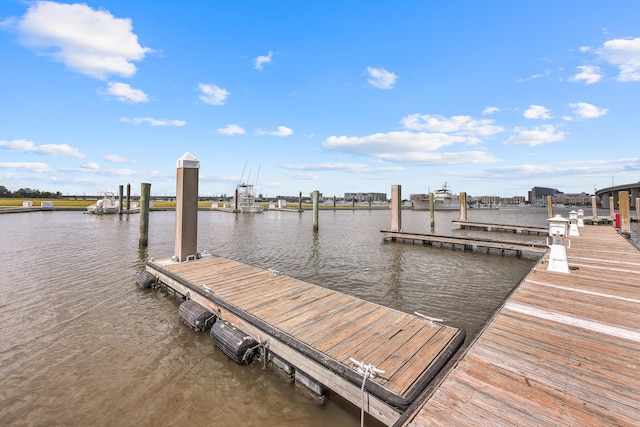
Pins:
x: 367, y: 371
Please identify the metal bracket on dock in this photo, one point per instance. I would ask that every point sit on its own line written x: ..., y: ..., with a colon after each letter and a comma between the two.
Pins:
x: 273, y: 272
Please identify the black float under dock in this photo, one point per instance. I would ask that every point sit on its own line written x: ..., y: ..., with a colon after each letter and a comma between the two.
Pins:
x: 319, y: 333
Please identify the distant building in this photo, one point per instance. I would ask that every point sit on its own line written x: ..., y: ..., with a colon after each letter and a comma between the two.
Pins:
x: 365, y: 197
x: 539, y: 194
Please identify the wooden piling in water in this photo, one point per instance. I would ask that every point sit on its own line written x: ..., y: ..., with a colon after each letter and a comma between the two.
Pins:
x: 594, y: 207
x: 145, y: 195
x: 187, y: 208
x: 549, y: 207
x: 463, y: 206
x: 120, y: 201
x: 432, y: 213
x: 316, y: 201
x: 396, y: 207
x: 300, y: 202
x: 128, y: 196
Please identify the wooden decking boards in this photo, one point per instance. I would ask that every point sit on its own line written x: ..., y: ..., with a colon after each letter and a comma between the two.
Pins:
x: 564, y: 349
x: 325, y: 329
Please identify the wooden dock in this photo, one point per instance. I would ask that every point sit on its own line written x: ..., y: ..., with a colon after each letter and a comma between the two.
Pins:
x: 564, y: 349
x: 317, y: 330
x: 469, y: 243
x: 486, y: 226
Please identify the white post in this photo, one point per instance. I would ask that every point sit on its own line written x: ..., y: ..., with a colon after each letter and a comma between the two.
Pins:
x: 558, y: 253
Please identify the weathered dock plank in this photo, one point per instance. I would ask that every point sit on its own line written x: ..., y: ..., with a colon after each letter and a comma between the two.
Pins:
x: 318, y: 330
x: 564, y: 349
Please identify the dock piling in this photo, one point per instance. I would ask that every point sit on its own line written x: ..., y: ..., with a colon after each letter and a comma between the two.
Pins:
x: 625, y: 212
x: 432, y: 214
x: 463, y: 206
x: 186, y: 244
x: 396, y: 206
x: 594, y: 207
x: 612, y: 208
x: 549, y: 207
x: 120, y: 201
x: 145, y: 195
x: 128, y: 196
x: 316, y: 199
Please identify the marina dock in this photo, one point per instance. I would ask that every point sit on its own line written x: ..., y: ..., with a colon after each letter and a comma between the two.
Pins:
x: 485, y: 226
x: 469, y: 243
x: 318, y: 332
x: 563, y: 349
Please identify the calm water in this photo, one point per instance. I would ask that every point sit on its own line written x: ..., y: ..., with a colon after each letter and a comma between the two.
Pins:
x: 82, y: 345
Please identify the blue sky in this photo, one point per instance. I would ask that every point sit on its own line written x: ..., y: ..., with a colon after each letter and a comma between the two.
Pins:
x: 493, y: 97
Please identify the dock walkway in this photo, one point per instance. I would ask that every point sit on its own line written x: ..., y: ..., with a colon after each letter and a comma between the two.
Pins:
x: 564, y: 349
x: 318, y: 330
x: 486, y: 226
x: 469, y: 243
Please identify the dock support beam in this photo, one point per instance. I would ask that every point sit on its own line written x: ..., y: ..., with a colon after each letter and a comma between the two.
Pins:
x: 625, y: 212
x: 594, y: 207
x: 463, y: 206
x: 145, y: 195
x: 396, y: 206
x: 549, y: 207
x: 316, y: 200
x: 187, y: 207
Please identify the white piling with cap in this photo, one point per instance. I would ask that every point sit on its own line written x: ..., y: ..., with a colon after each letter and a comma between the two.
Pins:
x: 558, y: 253
x: 580, y: 218
x: 186, y: 244
x: 573, y: 223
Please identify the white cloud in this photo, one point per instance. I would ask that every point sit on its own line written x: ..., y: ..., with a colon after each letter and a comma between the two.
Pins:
x: 588, y: 73
x: 587, y: 111
x: 35, y: 167
x: 153, y: 122
x: 93, y: 166
x: 124, y: 92
x: 88, y: 41
x: 490, y: 110
x: 113, y: 158
x: 25, y: 146
x: 537, y: 112
x: 625, y: 54
x: 348, y: 167
x: 212, y: 94
x: 535, y: 136
x: 464, y: 126
x: 261, y: 60
x: 231, y: 129
x: 282, y: 131
x: 381, y: 78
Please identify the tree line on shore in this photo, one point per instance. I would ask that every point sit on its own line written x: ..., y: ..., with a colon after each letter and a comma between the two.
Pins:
x: 28, y: 192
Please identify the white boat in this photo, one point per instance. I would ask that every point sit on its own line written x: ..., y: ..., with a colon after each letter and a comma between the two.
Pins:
x: 247, y: 199
x: 107, y: 205
x: 443, y: 200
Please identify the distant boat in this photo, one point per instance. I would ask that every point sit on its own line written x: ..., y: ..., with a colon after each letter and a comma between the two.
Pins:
x: 443, y: 200
x: 247, y: 199
x: 107, y: 205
